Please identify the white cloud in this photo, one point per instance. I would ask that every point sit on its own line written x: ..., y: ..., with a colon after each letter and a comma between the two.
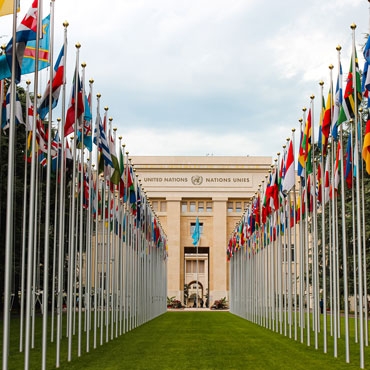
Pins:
x: 201, y: 76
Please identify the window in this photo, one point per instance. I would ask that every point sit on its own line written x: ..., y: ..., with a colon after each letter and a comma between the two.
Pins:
x: 191, y: 268
x: 209, y: 206
x: 163, y: 206
x: 238, y: 206
x: 192, y: 227
x: 200, y: 206
x: 155, y: 206
x: 192, y: 206
x: 230, y: 207
x: 184, y: 207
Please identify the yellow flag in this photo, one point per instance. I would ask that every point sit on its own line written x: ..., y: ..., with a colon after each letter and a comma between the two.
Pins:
x: 6, y: 7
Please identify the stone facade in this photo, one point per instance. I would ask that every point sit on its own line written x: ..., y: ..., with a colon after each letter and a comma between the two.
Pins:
x: 214, y: 189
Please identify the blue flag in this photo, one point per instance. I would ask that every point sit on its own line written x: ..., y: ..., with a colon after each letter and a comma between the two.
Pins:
x: 196, y: 233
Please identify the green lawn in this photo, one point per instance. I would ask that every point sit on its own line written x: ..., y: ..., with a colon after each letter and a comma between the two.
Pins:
x: 201, y: 340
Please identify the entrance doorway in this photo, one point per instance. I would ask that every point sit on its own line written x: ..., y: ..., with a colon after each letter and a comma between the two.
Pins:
x: 196, y: 279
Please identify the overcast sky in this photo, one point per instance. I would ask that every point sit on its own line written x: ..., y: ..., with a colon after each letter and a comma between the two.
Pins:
x: 198, y: 77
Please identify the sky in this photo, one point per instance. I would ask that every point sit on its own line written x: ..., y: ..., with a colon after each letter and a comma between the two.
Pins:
x: 206, y: 77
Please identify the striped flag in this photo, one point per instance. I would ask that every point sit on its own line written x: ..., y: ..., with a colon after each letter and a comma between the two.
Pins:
x: 289, y: 178
x: 26, y: 31
x: 103, y: 144
x: 348, y: 107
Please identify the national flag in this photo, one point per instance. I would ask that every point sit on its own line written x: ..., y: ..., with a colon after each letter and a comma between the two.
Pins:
x: 306, y: 145
x: 366, y: 147
x: 337, y: 104
x: 322, y: 111
x: 326, y: 123
x: 7, y: 7
x: 327, y: 180
x: 17, y: 109
x: 29, y: 58
x: 26, y: 31
x: 76, y: 105
x: 289, y: 178
x: 348, y: 106
x: 122, y: 172
x: 116, y: 175
x: 301, y: 168
x: 29, y: 109
x: 319, y: 183
x: 28, y: 63
x: 337, y: 169
x: 58, y: 80
x: 196, y: 232
x: 348, y: 163
x: 365, y: 86
x: 87, y: 118
x: 102, y: 144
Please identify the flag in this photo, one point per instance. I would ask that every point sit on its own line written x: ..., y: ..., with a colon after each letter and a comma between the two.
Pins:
x: 347, y: 110
x: 26, y: 31
x: 320, y: 137
x: 58, y: 80
x: 289, y: 178
x: 326, y: 123
x: 306, y: 145
x: 319, y: 183
x: 17, y: 110
x: 337, y: 168
x: 116, y: 174
x: 348, y: 163
x: 29, y: 58
x: 122, y: 171
x: 196, y: 233
x: 6, y: 7
x: 301, y: 169
x: 365, y: 86
x: 327, y: 181
x: 87, y: 138
x: 28, y: 63
x: 102, y: 144
x: 337, y: 103
x: 75, y: 103
x: 366, y: 147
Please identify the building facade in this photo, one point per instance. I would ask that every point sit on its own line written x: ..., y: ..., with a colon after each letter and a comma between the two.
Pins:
x: 214, y: 189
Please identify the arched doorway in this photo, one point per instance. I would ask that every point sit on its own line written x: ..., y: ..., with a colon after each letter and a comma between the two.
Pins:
x: 196, y: 294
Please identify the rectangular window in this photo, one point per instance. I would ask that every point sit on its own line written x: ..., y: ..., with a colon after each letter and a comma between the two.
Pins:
x: 155, y: 206
x: 192, y: 206
x: 184, y: 207
x: 163, y: 206
x: 200, y: 206
x: 238, y: 206
x: 209, y: 206
x: 230, y: 207
x: 188, y: 267
x: 192, y: 227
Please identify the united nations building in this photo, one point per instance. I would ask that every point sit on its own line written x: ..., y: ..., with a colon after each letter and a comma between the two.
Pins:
x: 215, y: 190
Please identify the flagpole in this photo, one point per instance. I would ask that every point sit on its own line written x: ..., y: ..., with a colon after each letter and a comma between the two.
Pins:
x: 61, y: 238
x: 71, y: 256
x: 32, y: 197
x: 24, y: 231
x: 358, y: 215
x: 45, y: 296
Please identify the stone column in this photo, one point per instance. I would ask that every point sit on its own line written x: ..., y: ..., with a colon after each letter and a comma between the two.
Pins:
x: 174, y: 247
x: 218, y: 264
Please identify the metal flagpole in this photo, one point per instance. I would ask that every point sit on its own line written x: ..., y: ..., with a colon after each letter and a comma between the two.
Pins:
x: 62, y: 209
x: 45, y: 296
x: 24, y: 231
x: 358, y: 215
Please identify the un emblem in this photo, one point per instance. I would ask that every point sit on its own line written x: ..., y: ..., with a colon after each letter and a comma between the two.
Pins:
x: 196, y: 180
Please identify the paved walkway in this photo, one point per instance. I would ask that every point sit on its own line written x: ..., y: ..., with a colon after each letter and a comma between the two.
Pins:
x: 193, y: 309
